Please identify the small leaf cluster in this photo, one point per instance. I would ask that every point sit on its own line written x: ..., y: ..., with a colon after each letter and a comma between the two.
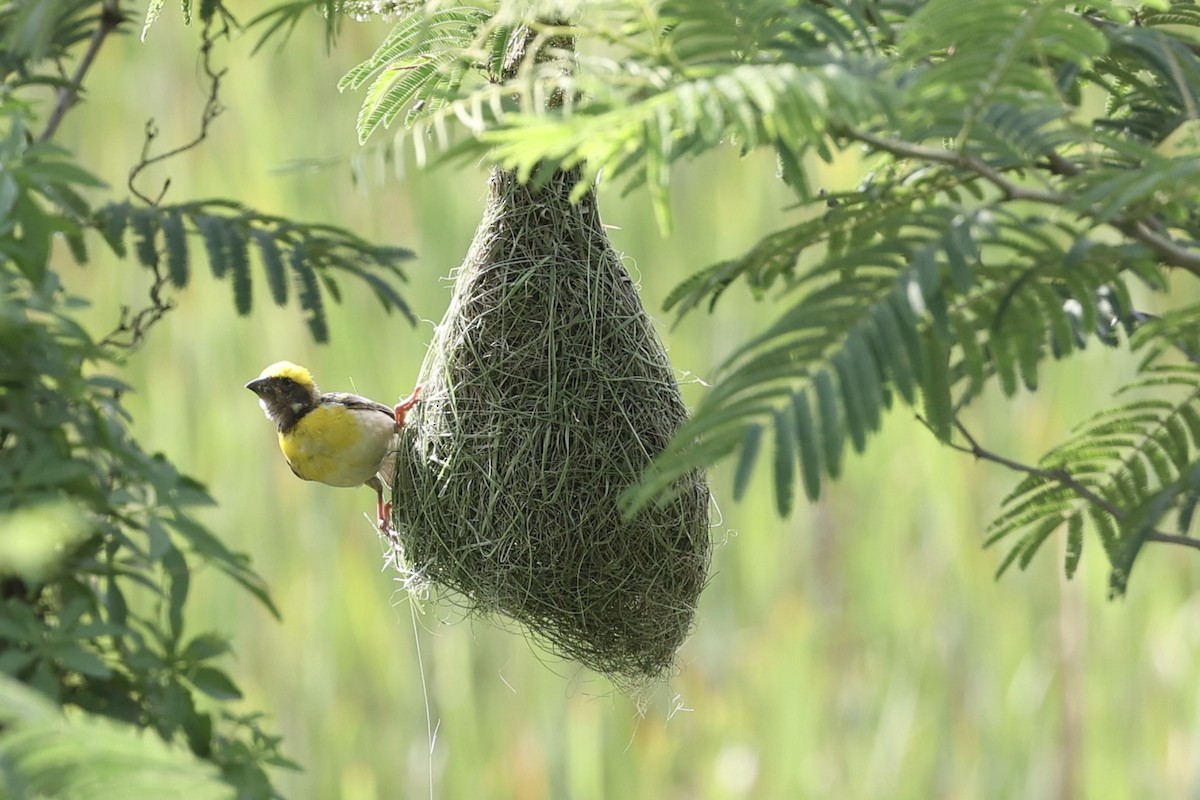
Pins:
x: 419, y: 66
x: 296, y: 259
x: 40, y: 198
x: 205, y: 11
x: 1125, y: 472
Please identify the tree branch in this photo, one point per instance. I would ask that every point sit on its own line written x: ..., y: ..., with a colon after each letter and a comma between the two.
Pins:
x: 957, y: 158
x: 1141, y: 230
x: 1171, y: 538
x: 110, y: 19
x: 1145, y: 231
x: 1060, y: 476
x: 133, y: 326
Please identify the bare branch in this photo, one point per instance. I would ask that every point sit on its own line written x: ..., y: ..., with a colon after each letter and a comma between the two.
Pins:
x: 1170, y: 538
x: 212, y: 109
x: 134, y: 325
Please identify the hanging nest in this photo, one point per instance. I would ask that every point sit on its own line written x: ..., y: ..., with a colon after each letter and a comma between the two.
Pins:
x: 546, y: 392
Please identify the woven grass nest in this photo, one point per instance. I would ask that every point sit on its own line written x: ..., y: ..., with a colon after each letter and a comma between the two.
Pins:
x: 546, y: 391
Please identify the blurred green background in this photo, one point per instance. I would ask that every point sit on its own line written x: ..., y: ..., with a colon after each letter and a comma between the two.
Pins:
x: 859, y: 649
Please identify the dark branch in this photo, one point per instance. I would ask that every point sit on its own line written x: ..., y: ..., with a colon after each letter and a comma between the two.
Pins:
x: 957, y: 158
x: 134, y: 325
x: 110, y: 19
x: 1148, y: 232
x: 1059, y: 475
x: 1171, y: 538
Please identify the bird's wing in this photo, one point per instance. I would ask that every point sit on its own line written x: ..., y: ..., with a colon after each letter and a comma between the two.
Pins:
x: 354, y: 401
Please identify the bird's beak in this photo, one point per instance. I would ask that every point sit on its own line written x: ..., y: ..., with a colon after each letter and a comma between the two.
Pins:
x: 257, y: 385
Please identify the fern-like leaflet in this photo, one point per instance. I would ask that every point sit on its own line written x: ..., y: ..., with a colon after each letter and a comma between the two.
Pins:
x: 1123, y: 474
x: 310, y: 255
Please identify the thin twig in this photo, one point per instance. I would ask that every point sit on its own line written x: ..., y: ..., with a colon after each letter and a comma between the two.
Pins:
x: 212, y: 109
x: 957, y: 158
x: 1171, y: 538
x: 1060, y: 476
x: 110, y: 19
x: 132, y: 329
x: 133, y: 326
x: 1148, y: 232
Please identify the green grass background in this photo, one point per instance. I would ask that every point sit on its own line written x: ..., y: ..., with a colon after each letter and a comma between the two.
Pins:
x: 859, y: 649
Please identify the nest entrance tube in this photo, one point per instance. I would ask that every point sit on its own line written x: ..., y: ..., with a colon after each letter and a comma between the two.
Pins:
x: 546, y: 393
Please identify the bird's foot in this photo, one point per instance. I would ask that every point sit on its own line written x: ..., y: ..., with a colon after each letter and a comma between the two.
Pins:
x: 385, y: 524
x: 402, y: 408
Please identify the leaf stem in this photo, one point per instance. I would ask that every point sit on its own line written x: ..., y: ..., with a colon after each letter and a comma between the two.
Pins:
x: 1059, y: 474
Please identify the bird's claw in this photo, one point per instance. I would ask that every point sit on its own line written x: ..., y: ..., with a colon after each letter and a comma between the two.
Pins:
x: 403, y: 407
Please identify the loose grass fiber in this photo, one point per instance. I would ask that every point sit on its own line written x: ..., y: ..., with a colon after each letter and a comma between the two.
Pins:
x: 546, y: 391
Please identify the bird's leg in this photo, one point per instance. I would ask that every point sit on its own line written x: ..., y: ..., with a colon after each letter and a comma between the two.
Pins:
x: 404, y: 405
x: 384, y: 510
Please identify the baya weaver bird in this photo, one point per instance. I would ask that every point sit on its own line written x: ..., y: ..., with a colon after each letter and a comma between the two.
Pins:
x: 335, y: 438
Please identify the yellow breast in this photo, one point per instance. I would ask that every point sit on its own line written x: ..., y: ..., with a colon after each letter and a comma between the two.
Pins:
x: 337, y: 445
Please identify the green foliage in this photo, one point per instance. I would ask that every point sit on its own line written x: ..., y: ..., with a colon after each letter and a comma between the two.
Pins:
x: 49, y: 754
x: 39, y: 198
x: 281, y: 19
x: 685, y: 90
x: 1125, y: 472
x: 92, y: 615
x: 44, y: 189
x: 1029, y: 165
x: 99, y: 535
x: 419, y: 60
x: 206, y: 11
x: 99, y: 540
